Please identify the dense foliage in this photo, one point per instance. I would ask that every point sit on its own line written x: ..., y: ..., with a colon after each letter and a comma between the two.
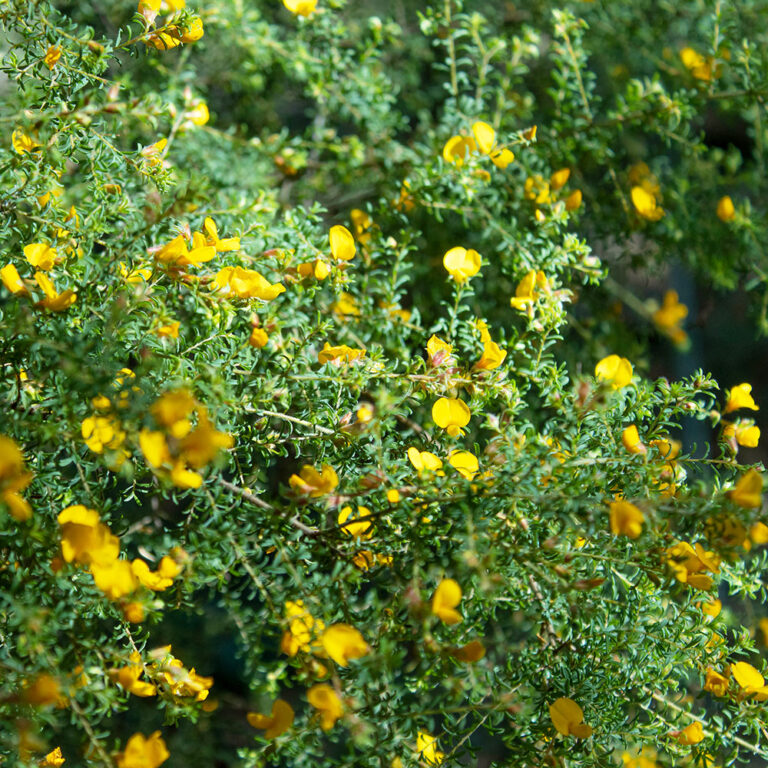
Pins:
x: 325, y: 361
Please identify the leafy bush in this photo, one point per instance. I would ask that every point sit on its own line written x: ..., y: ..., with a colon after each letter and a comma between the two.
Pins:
x: 329, y: 426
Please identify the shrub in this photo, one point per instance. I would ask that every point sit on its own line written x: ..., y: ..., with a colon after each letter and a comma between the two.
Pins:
x: 313, y: 368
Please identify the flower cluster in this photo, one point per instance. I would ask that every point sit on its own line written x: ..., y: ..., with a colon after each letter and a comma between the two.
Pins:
x: 177, y: 447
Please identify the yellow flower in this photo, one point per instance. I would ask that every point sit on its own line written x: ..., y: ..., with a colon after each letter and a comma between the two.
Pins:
x: 276, y: 723
x: 615, y: 370
x: 485, y: 140
x: 154, y: 447
x: 128, y: 677
x: 725, y: 209
x: 342, y: 243
x: 573, y: 201
x: 177, y: 254
x: 342, y: 643
x: 101, y: 433
x: 339, y: 354
x: 52, y: 56
x: 691, y: 734
x: 164, y: 41
x: 173, y: 35
x: 160, y: 579
x: 213, y: 239
x: 712, y: 608
x: 240, y: 283
x: 172, y: 411
x: 43, y: 691
x: 438, y: 351
x: 314, y: 483
x: 84, y: 539
x: 115, y: 578
x: 451, y: 414
x: 198, y: 114
x: 302, y: 628
x: 426, y: 747
x: 758, y: 533
x: 529, y: 289
x: 464, y: 462
x: 143, y: 753
x: 55, y: 191
x: 716, y: 683
x: 13, y: 478
x: 301, y: 7
x: 493, y: 356
x: 568, y: 718
x: 12, y: 280
x: 485, y: 136
x: 318, y: 268
x: 169, y: 331
x: 135, y: 275
x: 457, y: 148
x: 405, y: 201
x: 626, y: 519
x: 471, y: 652
x: 670, y: 315
x: 689, y: 564
x: 748, y: 492
x: 346, y: 305
x: 744, y: 432
x: 698, y: 66
x: 133, y: 612
x: 23, y: 143
x: 53, y: 759
x: 424, y: 460
x: 749, y: 680
x: 180, y: 681
x: 324, y: 699
x: 447, y: 596
x: 18, y: 506
x: 201, y: 445
x: 559, y: 178
x: 193, y: 32
x: 536, y: 189
x: 360, y: 526
x: 40, y: 255
x: 630, y: 438
x: 258, y: 338
x: 740, y: 397
x: 361, y: 223
x: 461, y: 263
x: 53, y: 301
x: 645, y: 204
x: 763, y: 625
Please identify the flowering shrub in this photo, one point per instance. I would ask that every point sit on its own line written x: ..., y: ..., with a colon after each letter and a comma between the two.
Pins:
x: 323, y: 437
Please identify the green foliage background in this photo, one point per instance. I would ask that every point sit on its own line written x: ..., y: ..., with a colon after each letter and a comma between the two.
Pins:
x: 311, y: 118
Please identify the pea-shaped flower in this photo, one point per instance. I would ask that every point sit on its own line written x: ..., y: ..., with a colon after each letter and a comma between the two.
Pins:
x: 328, y: 705
x: 615, y: 370
x: 447, y: 596
x: 276, y: 723
x: 626, y: 519
x: 462, y: 263
x: 748, y: 492
x: 739, y: 397
x: 342, y: 643
x: 568, y: 718
x: 342, y: 243
x: 451, y: 414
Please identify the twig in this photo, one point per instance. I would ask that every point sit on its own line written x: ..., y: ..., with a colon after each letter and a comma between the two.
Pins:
x: 294, y: 420
x: 256, y: 501
x: 741, y: 742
